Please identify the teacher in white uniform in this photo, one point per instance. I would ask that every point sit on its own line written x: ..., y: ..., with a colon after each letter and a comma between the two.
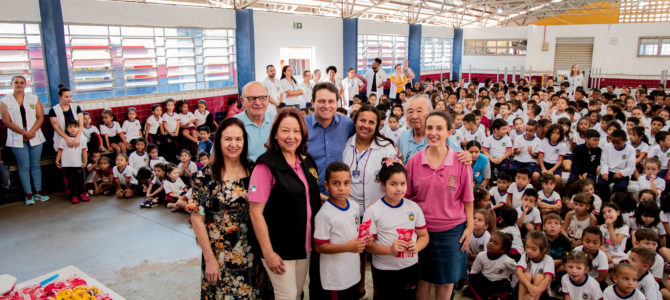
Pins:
x: 290, y: 88
x: 65, y: 110
x: 23, y: 115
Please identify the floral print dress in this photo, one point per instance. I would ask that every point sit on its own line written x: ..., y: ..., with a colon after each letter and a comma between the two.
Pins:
x: 226, y: 210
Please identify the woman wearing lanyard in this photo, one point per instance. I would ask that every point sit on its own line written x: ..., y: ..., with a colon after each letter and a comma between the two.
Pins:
x: 65, y: 110
x: 290, y: 88
x: 23, y: 115
x: 364, y: 154
x: 442, y: 186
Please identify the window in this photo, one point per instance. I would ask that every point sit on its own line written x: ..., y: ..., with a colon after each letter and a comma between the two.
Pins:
x: 117, y: 61
x: 436, y: 54
x: 644, y: 11
x: 654, y: 46
x: 390, y: 48
x: 495, y: 47
x: 21, y: 54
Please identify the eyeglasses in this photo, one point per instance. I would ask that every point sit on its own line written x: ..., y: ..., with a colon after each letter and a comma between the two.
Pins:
x: 252, y: 99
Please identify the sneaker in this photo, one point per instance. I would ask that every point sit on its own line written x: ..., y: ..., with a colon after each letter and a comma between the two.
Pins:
x: 75, y: 200
x: 84, y: 197
x: 146, y: 204
x: 41, y: 196
x: 29, y: 199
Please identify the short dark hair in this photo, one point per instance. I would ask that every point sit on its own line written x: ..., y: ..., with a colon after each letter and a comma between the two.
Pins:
x: 523, y: 171
x: 592, y: 133
x: 646, y: 256
x: 508, y: 215
x: 505, y: 176
x: 70, y: 122
x: 619, y: 134
x: 470, y: 118
x: 592, y: 230
x: 324, y: 86
x: 204, y: 128
x: 645, y: 234
x: 497, y: 124
x: 140, y: 140
x: 331, y: 68
x: 203, y: 154
x: 336, y: 167
x: 531, y: 192
x: 553, y: 216
x: 546, y: 178
x: 144, y: 173
x: 268, y: 66
x: 389, y: 169
x: 378, y: 60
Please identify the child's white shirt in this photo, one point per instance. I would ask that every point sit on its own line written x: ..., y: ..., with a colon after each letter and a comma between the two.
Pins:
x: 392, y: 134
x: 522, y: 143
x: 478, y: 135
x: 517, y: 243
x: 517, y: 194
x: 154, y: 162
x: 599, y: 263
x: 132, y: 129
x: 497, y: 147
x: 125, y: 176
x: 192, y: 167
x: 544, y: 266
x: 618, y: 161
x: 618, y: 248
x: 555, y: 116
x: 185, y: 119
x: 552, y: 198
x: 137, y: 161
x: 532, y: 217
x: 170, y: 121
x: 176, y: 187
x: 90, y: 130
x: 154, y: 124
x: 611, y: 294
x: 498, y: 196
x: 202, y: 118
x: 112, y: 131
x: 385, y: 220
x: 663, y: 156
x: 649, y: 287
x: 658, y: 228
x: 656, y: 269
x: 336, y: 225
x: 478, y: 243
x: 645, y: 183
x: 587, y: 290
x: 71, y: 157
x: 552, y: 153
x: 500, y: 268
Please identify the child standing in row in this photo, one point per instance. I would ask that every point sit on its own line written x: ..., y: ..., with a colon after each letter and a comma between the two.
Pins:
x: 73, y: 161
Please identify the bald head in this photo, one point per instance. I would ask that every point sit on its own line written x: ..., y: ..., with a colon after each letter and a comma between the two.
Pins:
x: 255, y: 100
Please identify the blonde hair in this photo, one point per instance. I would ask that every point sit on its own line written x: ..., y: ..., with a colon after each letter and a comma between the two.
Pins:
x: 572, y: 72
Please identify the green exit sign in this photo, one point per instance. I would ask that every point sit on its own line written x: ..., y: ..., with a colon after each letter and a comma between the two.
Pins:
x: 297, y: 25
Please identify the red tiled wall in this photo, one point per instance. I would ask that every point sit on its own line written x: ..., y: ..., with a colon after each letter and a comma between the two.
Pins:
x: 618, y: 82
x: 435, y: 77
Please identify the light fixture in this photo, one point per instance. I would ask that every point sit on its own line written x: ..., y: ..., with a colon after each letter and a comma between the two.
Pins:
x: 499, y: 11
x: 555, y: 1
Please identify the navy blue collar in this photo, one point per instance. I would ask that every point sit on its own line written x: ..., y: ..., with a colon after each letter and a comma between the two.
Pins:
x: 391, y: 206
x: 579, y: 284
x: 338, y: 207
x: 620, y: 296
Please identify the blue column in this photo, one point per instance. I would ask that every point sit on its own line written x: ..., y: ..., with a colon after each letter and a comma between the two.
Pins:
x: 53, y: 36
x: 414, y: 51
x: 246, y: 56
x: 457, y: 56
x: 349, y: 44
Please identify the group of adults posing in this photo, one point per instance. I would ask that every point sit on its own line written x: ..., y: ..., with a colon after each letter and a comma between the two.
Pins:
x: 253, y: 208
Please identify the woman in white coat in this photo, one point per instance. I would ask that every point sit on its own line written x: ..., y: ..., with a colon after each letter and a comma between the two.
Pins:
x: 576, y: 79
x: 23, y: 116
x: 65, y: 110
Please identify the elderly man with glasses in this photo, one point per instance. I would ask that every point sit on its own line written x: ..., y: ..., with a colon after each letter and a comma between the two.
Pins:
x: 256, y: 118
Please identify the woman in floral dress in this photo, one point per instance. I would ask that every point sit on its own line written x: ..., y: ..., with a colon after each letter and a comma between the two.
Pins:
x: 219, y: 210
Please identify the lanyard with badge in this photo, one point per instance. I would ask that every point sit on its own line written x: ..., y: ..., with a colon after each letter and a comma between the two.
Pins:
x: 356, y: 174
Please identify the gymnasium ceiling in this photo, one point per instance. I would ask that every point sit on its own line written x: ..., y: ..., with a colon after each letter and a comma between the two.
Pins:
x: 452, y: 13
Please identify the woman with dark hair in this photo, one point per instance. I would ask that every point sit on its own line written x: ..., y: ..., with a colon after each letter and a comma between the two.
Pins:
x: 290, y: 88
x: 284, y: 199
x: 231, y: 266
x: 64, y: 111
x: 23, y: 116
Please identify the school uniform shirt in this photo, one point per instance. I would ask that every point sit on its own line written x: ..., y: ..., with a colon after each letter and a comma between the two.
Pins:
x: 478, y: 243
x: 170, y: 121
x: 385, y: 220
x: 350, y: 88
x: 138, y: 161
x: 132, y: 129
x: 202, y: 118
x: 126, y: 176
x: 618, y: 161
x: 658, y: 228
x: 497, y: 147
x: 513, y: 134
x: 545, y: 266
x: 478, y: 135
x: 154, y: 124
x: 498, y: 196
x: 532, y: 216
x: 552, y: 153
x: 641, y: 148
x: 176, y: 188
x: 87, y: 132
x: 364, y: 167
x: 649, y: 287
x: 554, y: 116
x: 645, y: 183
x: 618, y: 248
x: 656, y: 269
x: 71, y: 157
x: 552, y: 198
x: 459, y: 134
x: 517, y: 193
x: 517, y: 243
x: 663, y: 156
x: 192, y: 167
x: 111, y: 131
x: 587, y: 290
x: 154, y: 162
x: 610, y: 293
x: 185, y: 119
x: 336, y: 225
x: 522, y: 143
x: 500, y: 268
x: 273, y: 91
x: 393, y: 134
x: 576, y: 139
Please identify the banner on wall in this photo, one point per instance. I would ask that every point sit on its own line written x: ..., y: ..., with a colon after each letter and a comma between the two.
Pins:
x: 297, y: 64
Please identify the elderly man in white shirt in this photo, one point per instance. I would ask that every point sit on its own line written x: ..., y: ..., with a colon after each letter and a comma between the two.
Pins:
x: 274, y: 91
x: 375, y: 78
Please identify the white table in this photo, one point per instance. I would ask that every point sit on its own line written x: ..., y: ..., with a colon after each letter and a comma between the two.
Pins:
x: 67, y: 272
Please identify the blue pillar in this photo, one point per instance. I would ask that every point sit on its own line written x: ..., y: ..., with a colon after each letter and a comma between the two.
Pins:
x: 414, y: 51
x: 457, y: 56
x: 349, y: 44
x: 53, y: 35
x: 246, y: 56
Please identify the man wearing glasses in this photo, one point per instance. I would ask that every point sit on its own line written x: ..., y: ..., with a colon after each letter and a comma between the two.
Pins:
x: 256, y: 118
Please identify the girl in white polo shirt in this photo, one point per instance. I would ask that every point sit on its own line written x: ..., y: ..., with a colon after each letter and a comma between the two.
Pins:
x: 394, y: 249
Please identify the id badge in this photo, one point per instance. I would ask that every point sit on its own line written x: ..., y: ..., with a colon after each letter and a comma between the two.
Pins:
x: 356, y: 176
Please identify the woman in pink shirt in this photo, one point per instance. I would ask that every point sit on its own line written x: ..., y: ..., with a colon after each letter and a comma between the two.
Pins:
x: 442, y: 187
x: 283, y: 201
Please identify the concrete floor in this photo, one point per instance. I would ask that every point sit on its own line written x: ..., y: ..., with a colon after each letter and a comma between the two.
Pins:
x: 138, y: 253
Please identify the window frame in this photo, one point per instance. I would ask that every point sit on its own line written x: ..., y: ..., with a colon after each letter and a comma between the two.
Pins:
x: 41, y: 90
x: 659, y: 44
x: 483, y: 49
x: 400, y: 44
x: 443, y: 43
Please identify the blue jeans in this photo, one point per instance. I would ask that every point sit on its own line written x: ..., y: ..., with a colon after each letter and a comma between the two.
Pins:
x: 28, y: 160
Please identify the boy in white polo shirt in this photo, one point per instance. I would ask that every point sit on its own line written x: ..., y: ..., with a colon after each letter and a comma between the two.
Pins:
x: 498, y: 146
x: 73, y: 160
x: 515, y: 191
x: 336, y: 236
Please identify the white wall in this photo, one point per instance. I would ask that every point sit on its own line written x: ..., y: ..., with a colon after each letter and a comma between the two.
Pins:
x: 274, y: 31
x: 437, y: 31
x: 140, y: 14
x: 374, y: 27
x: 489, y: 63
x: 25, y: 11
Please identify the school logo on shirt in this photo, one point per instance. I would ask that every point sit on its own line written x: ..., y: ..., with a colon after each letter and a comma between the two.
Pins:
x: 411, y: 216
x: 556, y: 150
x: 481, y: 247
x: 667, y: 155
x: 500, y: 271
x: 623, y: 157
x: 314, y: 173
x: 32, y: 106
x: 585, y: 296
x: 540, y: 271
x: 504, y: 144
